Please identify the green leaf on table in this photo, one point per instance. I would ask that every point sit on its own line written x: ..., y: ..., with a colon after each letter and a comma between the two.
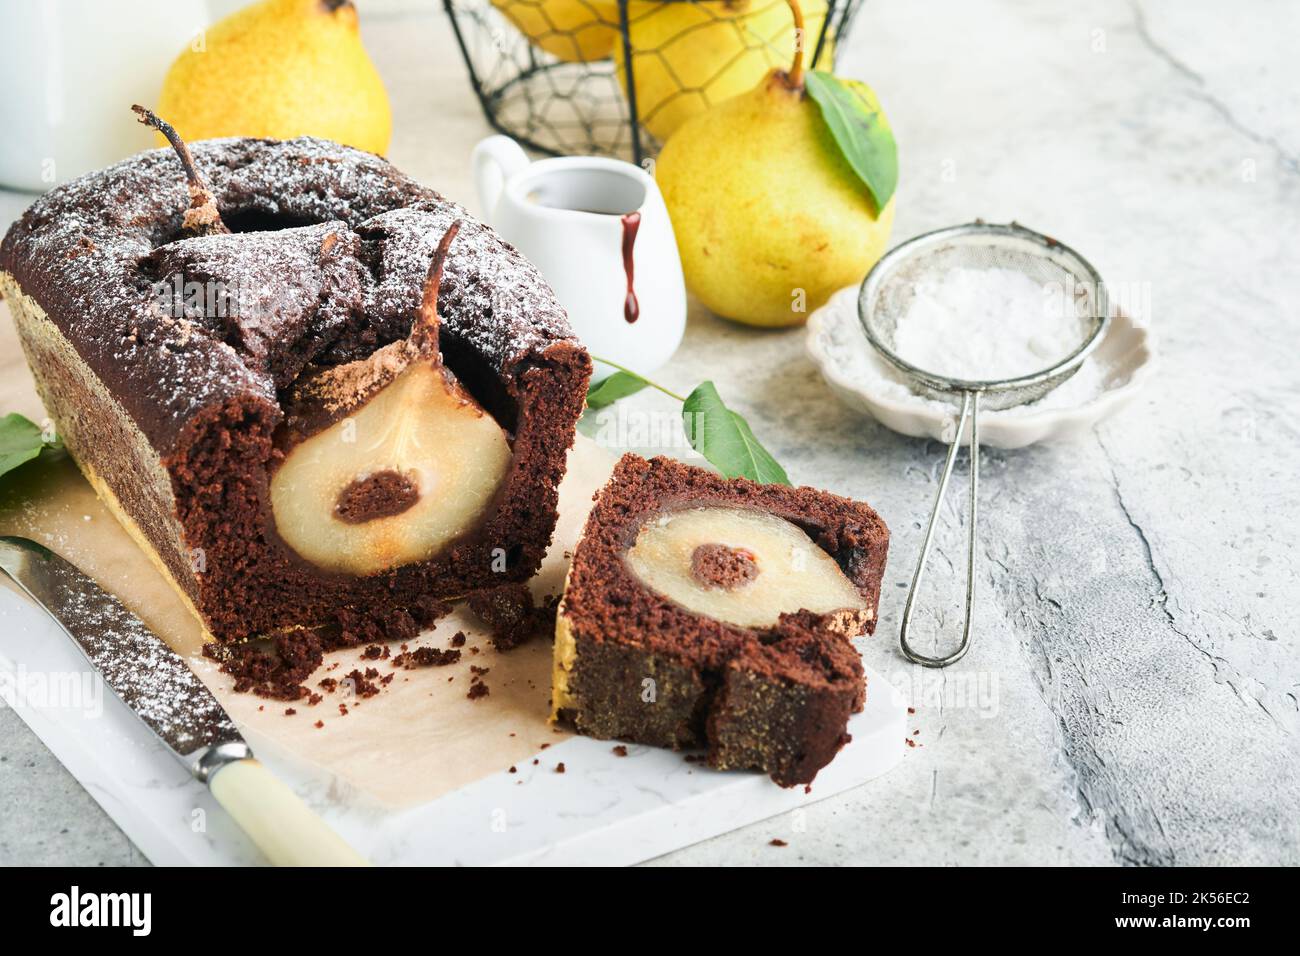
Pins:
x: 857, y: 123
x: 610, y: 390
x: 726, y: 440
x: 21, y: 440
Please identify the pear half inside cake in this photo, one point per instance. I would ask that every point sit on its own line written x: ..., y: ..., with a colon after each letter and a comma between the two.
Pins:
x: 739, y: 566
x: 447, y: 455
x: 407, y: 462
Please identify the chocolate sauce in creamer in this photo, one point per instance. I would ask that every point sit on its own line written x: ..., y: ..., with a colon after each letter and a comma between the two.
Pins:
x: 631, y: 223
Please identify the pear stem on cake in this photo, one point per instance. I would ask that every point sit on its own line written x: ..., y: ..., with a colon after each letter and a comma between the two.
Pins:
x: 425, y: 328
x: 202, y: 218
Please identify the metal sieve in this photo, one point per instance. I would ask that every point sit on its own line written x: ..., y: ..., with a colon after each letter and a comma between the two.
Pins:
x: 888, y: 291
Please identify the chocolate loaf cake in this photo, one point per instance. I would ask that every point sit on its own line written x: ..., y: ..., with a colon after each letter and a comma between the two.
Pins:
x: 715, y: 613
x: 251, y: 359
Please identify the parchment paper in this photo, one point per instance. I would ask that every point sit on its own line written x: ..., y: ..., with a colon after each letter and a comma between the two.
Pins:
x: 420, y: 737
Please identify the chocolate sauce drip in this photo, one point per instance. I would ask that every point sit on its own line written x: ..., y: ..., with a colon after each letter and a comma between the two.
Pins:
x: 631, y: 223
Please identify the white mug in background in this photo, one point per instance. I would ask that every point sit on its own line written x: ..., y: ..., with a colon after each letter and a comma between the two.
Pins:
x: 598, y: 231
x: 70, y: 70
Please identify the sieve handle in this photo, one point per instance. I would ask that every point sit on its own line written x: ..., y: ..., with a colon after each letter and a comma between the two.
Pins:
x: 970, y: 408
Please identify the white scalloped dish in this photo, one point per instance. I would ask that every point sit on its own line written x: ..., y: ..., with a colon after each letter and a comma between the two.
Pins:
x: 1106, y: 382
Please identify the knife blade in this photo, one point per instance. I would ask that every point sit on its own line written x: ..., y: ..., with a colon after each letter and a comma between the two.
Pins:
x: 168, y: 697
x: 147, y: 675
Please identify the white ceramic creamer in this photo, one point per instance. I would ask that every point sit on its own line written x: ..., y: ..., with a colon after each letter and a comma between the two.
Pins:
x: 599, y: 232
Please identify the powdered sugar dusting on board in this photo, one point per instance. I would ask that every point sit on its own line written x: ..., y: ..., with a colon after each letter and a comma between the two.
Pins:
x: 150, y: 678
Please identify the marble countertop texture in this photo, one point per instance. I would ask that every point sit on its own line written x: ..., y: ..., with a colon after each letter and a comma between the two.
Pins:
x: 1133, y: 693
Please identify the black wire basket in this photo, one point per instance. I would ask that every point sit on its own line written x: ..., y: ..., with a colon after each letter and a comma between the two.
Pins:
x: 616, y: 77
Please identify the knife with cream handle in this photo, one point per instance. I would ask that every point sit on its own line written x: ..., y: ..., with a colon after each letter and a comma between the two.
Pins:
x: 161, y: 689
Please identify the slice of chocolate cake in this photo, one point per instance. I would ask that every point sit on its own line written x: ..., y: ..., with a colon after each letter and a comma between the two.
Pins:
x: 707, y: 612
x: 249, y: 356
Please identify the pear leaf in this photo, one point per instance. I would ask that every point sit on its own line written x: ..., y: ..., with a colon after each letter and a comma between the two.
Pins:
x: 858, y: 125
x: 21, y: 440
x: 724, y: 438
x: 610, y: 390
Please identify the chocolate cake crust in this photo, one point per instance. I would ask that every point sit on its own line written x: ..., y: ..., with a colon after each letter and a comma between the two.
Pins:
x: 325, y: 263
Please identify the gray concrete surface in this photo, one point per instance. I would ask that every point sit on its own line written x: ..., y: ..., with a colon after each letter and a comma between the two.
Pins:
x: 1132, y: 694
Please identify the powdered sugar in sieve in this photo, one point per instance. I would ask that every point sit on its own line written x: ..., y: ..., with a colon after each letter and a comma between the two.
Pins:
x: 987, y: 314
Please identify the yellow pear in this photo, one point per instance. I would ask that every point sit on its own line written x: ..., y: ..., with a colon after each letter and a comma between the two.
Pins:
x: 687, y: 57
x: 280, y: 68
x: 770, y: 218
x: 575, y: 31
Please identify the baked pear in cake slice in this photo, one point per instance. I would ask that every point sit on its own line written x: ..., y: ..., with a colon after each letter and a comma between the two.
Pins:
x: 702, y: 612
x: 741, y: 566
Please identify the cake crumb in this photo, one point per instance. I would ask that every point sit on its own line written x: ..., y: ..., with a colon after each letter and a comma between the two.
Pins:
x: 277, y: 671
x: 559, y: 767
x: 777, y: 841
x: 511, y: 614
x: 363, y: 685
x: 390, y: 624
x: 477, y: 690
x: 426, y: 657
x: 620, y: 751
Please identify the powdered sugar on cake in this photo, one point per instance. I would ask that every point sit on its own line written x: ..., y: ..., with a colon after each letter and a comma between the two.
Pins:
x: 83, y: 252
